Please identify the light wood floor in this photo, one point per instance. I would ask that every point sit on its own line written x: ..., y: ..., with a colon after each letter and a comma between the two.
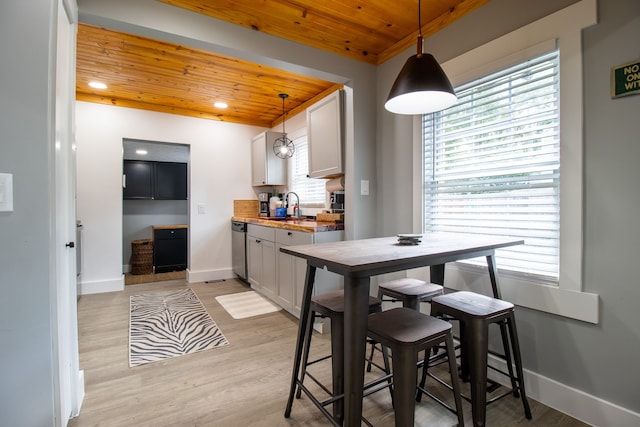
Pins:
x: 242, y: 384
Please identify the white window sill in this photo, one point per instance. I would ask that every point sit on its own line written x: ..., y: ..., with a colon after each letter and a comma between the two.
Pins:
x: 525, y: 292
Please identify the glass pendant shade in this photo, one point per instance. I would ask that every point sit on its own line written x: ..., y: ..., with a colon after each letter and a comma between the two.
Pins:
x: 422, y: 87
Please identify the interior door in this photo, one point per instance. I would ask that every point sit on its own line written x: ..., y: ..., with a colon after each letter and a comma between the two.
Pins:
x: 68, y: 378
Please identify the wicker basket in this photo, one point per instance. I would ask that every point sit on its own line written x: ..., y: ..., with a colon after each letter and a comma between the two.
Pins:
x: 142, y: 256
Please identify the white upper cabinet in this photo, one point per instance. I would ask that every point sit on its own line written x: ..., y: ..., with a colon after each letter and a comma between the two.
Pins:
x: 325, y: 136
x: 266, y: 167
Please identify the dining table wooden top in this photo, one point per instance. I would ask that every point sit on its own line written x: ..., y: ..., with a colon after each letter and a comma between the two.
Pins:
x: 370, y: 257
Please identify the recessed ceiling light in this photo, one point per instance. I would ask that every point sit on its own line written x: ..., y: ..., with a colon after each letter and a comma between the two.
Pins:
x: 220, y: 104
x: 97, y: 85
x: 142, y: 152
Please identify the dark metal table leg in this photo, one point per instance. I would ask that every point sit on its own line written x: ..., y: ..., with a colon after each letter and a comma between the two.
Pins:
x: 337, y: 365
x: 302, y: 327
x: 493, y: 275
x: 436, y: 274
x: 356, y: 314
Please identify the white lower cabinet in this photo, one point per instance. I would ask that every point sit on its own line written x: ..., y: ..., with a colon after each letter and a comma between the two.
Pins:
x: 292, y: 270
x: 281, y: 276
x: 261, y: 259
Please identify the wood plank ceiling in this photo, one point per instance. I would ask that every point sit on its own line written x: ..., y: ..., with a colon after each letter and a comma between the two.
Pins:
x: 158, y: 76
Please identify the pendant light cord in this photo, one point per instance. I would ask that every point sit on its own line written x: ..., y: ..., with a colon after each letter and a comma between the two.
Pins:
x: 419, y: 44
x: 283, y: 96
x: 419, y: 20
x: 283, y: 118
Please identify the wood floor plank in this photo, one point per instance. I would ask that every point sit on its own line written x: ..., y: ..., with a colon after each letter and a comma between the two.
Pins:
x: 244, y: 383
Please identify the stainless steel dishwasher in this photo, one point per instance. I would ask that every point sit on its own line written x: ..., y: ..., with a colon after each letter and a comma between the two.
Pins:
x: 239, y: 249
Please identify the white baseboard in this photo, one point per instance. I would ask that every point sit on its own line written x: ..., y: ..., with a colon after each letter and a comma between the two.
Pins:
x: 576, y: 403
x: 101, y: 286
x: 209, y: 275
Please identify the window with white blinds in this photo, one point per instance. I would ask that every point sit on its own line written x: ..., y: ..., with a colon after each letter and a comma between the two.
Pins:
x: 312, y: 191
x: 492, y: 164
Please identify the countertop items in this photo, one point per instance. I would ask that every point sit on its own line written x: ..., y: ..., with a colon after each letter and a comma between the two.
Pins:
x: 297, y: 224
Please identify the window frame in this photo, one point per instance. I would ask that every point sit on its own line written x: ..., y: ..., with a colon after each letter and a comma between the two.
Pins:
x: 564, y: 29
x: 314, y: 206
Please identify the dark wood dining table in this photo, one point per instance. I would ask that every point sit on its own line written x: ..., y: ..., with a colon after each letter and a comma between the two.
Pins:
x: 357, y: 261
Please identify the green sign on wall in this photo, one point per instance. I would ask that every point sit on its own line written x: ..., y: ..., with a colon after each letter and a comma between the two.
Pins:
x: 625, y: 79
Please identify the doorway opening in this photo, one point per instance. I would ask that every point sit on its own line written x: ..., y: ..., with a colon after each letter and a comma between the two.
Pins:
x: 155, y: 210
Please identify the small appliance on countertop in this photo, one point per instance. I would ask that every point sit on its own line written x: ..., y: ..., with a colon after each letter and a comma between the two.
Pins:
x: 263, y: 199
x: 337, y: 201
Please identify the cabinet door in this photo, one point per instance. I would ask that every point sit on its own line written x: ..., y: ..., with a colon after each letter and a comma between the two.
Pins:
x: 138, y: 180
x: 268, y: 283
x: 325, y: 134
x: 170, y: 250
x: 291, y: 270
x: 266, y: 167
x: 299, y: 277
x: 258, y: 161
x: 284, y: 278
x: 170, y: 181
x: 254, y: 262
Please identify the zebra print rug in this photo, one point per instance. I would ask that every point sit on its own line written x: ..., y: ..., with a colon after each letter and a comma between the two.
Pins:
x: 168, y: 324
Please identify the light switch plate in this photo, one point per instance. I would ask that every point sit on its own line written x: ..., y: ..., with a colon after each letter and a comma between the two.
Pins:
x: 364, y: 187
x: 6, y: 192
x: 201, y: 209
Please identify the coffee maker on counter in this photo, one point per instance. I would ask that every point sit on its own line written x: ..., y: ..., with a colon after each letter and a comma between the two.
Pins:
x: 337, y: 201
x: 263, y: 199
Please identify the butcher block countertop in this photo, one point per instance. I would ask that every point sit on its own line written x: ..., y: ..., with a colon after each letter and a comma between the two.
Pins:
x: 169, y: 227
x: 302, y: 224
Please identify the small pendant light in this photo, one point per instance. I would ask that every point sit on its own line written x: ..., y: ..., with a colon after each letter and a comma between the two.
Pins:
x: 283, y: 147
x: 422, y: 87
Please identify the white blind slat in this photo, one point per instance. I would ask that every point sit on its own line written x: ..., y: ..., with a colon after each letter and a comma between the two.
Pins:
x: 492, y: 163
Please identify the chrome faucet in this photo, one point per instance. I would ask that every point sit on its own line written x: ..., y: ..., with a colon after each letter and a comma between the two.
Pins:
x: 297, y: 208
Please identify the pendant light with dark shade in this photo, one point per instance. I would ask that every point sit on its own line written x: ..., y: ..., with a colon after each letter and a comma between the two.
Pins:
x: 422, y: 87
x: 283, y: 147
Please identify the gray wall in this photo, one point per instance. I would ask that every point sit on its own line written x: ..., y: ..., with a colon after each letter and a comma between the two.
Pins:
x: 597, y: 359
x: 26, y: 266
x: 139, y: 216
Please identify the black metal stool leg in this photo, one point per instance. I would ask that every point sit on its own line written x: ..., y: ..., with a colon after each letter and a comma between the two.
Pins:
x: 518, y: 360
x: 507, y: 356
x: 305, y: 351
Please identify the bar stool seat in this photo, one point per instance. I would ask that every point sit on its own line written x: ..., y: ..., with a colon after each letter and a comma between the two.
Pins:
x: 475, y: 313
x: 331, y: 306
x: 410, y: 291
x: 408, y: 332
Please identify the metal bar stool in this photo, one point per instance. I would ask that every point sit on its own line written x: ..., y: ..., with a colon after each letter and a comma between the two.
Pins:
x: 331, y: 305
x: 411, y: 292
x: 475, y: 313
x: 408, y: 332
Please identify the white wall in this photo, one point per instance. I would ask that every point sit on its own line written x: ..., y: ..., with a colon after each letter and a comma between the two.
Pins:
x: 219, y: 168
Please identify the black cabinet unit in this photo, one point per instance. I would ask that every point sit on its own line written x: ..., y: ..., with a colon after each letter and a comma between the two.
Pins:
x: 154, y: 180
x: 170, y: 181
x: 138, y: 180
x: 169, y: 249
